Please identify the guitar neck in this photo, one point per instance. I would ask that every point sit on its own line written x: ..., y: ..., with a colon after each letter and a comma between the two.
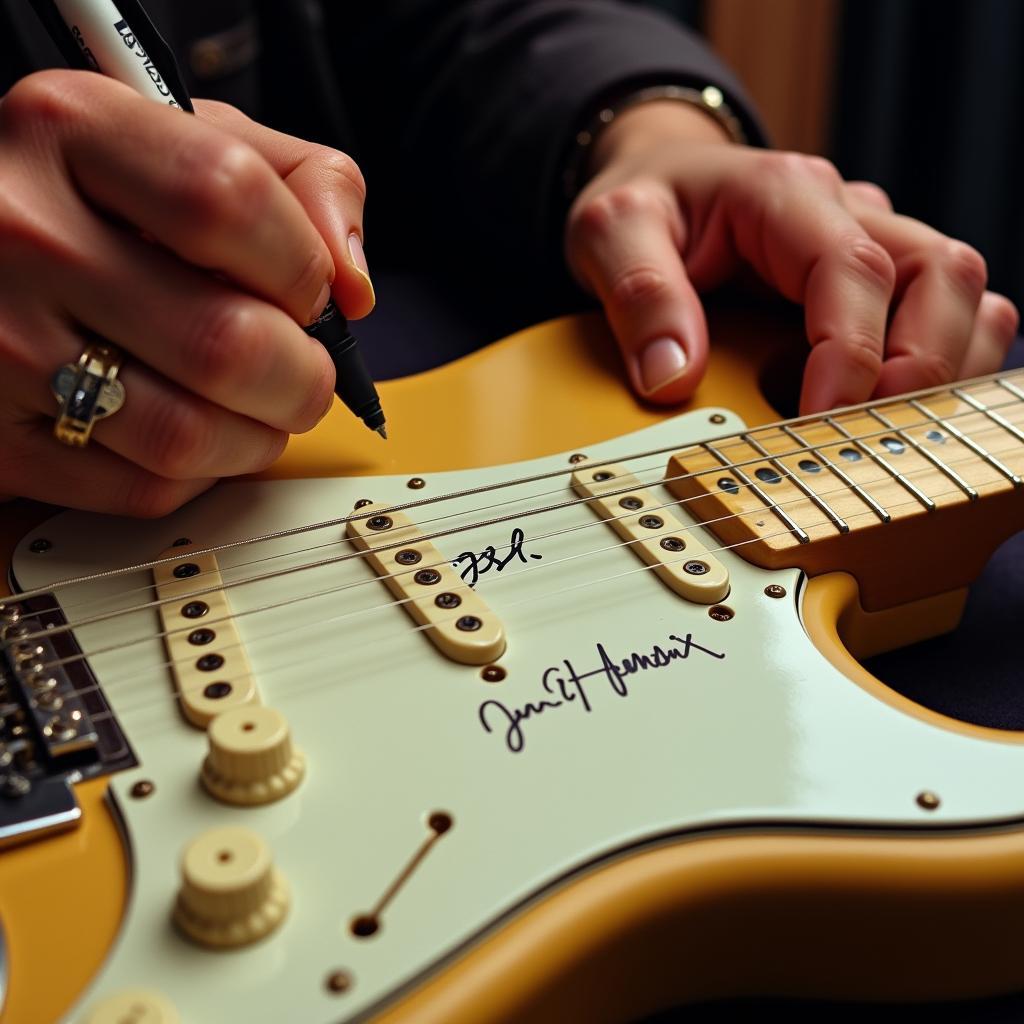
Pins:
x: 911, y: 495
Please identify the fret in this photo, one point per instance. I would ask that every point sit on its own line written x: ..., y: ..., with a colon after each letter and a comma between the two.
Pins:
x: 941, y: 466
x: 796, y: 530
x: 883, y: 462
x: 968, y: 442
x: 990, y: 413
x: 829, y: 464
x: 837, y: 521
x: 1012, y: 388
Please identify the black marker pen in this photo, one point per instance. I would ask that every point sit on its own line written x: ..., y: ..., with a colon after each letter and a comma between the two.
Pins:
x: 96, y: 35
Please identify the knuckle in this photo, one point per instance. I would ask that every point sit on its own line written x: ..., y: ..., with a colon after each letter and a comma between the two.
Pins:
x: 1001, y: 315
x: 341, y: 171
x: 964, y: 265
x: 227, y: 342
x: 41, y: 101
x: 312, y: 274
x: 934, y: 368
x: 179, y: 438
x: 638, y: 286
x: 600, y: 214
x: 222, y: 183
x: 870, y: 192
x: 866, y: 259
x: 864, y: 350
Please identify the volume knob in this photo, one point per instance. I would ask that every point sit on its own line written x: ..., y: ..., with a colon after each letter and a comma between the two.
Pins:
x: 231, y: 894
x: 251, y: 758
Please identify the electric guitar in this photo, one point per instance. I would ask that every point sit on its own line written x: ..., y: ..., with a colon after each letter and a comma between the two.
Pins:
x: 545, y: 710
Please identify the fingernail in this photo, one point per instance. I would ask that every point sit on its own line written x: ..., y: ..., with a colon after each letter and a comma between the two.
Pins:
x: 355, y: 249
x: 661, y: 362
x: 321, y: 302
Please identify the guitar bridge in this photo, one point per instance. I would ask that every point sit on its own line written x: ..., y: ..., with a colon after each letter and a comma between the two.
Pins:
x: 56, y: 727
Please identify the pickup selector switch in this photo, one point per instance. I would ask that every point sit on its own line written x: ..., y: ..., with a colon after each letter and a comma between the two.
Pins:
x: 251, y: 758
x: 231, y: 894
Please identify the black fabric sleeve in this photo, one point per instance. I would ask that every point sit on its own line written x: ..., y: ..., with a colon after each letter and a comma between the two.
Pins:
x: 468, y: 110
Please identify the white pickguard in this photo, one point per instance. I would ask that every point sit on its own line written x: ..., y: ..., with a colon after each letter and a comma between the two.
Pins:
x: 769, y: 734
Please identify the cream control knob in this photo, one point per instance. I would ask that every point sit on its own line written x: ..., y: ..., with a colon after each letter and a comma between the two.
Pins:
x: 133, y: 1006
x: 251, y: 758
x: 231, y: 894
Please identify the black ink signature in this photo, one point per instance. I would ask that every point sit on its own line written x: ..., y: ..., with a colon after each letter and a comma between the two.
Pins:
x: 565, y: 685
x: 489, y: 559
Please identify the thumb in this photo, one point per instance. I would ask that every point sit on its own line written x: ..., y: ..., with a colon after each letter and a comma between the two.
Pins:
x: 330, y: 188
x: 623, y: 246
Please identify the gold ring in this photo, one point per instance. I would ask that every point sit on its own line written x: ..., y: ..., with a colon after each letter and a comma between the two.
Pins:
x: 86, y: 392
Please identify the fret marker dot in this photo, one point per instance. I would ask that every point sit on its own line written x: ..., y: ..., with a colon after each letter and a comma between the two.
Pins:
x: 729, y: 485
x: 766, y: 475
x: 850, y: 454
x: 936, y: 435
x: 809, y: 466
x: 893, y: 445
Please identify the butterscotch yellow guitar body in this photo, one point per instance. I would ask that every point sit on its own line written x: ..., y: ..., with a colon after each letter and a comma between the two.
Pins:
x: 534, y: 746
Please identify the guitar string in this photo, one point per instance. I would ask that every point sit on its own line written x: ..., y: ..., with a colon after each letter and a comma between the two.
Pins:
x: 226, y: 585
x: 383, y: 548
x: 468, y: 492
x: 172, y: 664
x: 267, y: 671
x: 653, y: 467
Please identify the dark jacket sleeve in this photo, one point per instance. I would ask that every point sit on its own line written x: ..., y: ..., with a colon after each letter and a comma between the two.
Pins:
x: 470, y: 109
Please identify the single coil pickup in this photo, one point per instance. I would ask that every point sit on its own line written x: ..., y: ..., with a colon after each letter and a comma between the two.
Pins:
x: 653, y: 532
x: 462, y: 626
x: 207, y: 660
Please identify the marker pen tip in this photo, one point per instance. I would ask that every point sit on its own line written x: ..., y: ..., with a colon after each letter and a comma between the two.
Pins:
x: 383, y: 433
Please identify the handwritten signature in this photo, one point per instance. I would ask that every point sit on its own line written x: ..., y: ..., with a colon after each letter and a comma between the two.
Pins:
x: 488, y: 559
x: 565, y: 685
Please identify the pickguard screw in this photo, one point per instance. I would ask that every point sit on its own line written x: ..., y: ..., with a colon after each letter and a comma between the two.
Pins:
x: 695, y: 567
x: 417, y: 483
x: 142, y: 789
x: 408, y: 557
x: 721, y: 612
x: 186, y: 569
x: 717, y: 418
x: 427, y: 577
x: 652, y: 522
x: 379, y: 523
x: 39, y: 545
x: 447, y: 600
x: 493, y: 674
x: 468, y: 624
x: 439, y: 822
x: 364, y: 926
x: 578, y: 457
x: 774, y: 590
x: 928, y: 801
x: 673, y: 543
x: 362, y: 503
x: 182, y: 542
x: 632, y: 502
x: 338, y: 982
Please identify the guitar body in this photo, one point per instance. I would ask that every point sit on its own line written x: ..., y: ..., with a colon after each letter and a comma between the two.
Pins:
x: 596, y: 831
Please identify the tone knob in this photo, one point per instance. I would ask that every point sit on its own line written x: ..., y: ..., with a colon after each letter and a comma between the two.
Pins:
x: 231, y: 894
x: 251, y: 758
x: 133, y: 1006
